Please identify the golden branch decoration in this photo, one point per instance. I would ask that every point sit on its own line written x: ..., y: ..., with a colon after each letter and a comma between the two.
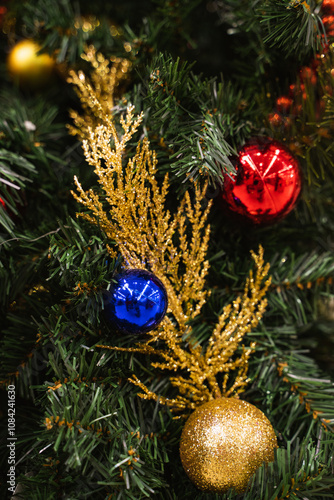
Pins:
x: 203, y: 365
x: 173, y: 247
x: 98, y: 92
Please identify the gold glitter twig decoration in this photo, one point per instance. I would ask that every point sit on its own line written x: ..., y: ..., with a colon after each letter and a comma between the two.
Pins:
x: 203, y: 365
x: 174, y: 248
x: 97, y: 94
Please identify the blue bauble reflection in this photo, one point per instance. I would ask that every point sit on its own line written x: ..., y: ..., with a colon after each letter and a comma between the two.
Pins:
x: 137, y: 302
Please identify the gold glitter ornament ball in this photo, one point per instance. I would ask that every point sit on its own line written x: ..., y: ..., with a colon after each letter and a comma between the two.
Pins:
x: 223, y: 443
x: 26, y: 66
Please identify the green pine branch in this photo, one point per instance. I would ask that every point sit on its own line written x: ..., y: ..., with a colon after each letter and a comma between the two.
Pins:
x: 198, y: 121
x: 96, y: 424
x: 292, y: 26
x: 15, y: 173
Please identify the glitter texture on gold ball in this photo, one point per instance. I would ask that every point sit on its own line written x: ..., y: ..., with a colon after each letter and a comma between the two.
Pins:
x: 223, y: 442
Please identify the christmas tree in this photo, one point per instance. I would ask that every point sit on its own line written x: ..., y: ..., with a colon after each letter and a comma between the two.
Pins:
x: 166, y: 249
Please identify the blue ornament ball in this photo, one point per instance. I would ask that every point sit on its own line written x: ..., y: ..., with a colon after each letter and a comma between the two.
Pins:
x: 137, y: 302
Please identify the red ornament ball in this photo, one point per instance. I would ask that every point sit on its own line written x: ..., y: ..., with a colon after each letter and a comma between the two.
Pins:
x: 328, y: 6
x: 267, y: 184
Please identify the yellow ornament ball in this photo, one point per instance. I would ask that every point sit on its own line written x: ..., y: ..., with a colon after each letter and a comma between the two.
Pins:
x: 28, y: 67
x: 223, y: 442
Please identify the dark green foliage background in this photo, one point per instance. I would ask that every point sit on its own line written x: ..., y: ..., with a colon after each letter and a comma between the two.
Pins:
x: 207, y: 75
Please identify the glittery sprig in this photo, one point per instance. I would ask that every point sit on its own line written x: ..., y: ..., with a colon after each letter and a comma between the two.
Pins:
x: 203, y: 365
x: 132, y: 213
x: 147, y: 235
x: 97, y: 93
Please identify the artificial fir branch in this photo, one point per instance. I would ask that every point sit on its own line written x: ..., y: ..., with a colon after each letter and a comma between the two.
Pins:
x: 303, y: 118
x: 299, y: 250
x: 12, y: 181
x: 194, y: 117
x: 308, y: 387
x: 300, y: 18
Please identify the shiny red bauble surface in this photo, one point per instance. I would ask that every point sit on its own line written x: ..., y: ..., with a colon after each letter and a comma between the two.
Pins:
x: 267, y: 184
x: 328, y: 6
